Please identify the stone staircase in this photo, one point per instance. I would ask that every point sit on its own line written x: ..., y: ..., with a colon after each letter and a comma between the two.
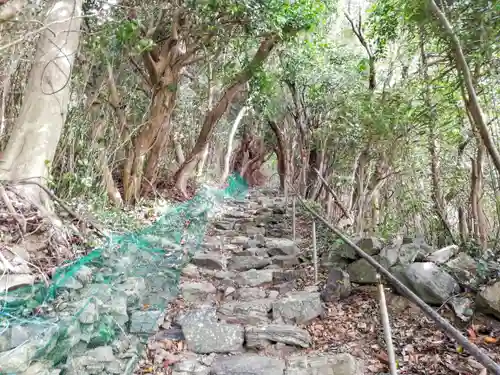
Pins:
x: 245, y: 304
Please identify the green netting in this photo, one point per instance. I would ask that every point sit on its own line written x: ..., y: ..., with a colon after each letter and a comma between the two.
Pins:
x: 119, y: 290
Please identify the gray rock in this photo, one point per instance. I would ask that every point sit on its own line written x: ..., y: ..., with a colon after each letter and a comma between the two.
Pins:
x: 224, y: 224
x: 89, y: 313
x: 190, y: 271
x: 190, y: 366
x: 297, y: 308
x: 280, y: 276
x: 134, y: 288
x: 239, y: 240
x: 370, y: 245
x: 195, y: 292
x: 412, y: 252
x: 18, y: 359
x: 333, y: 259
x: 251, y: 230
x: 146, y: 322
x: 254, y: 251
x: 247, y: 364
x: 204, y: 334
x: 463, y: 307
x: 110, y: 301
x: 98, y: 360
x: 443, y: 255
x: 389, y: 255
x: 41, y: 368
x: 334, y: 364
x: 260, y: 337
x: 254, y: 277
x: 84, y: 275
x: 245, y: 263
x: 212, y: 260
x: 362, y: 272
x: 488, y: 299
x: 256, y: 240
x: 69, y: 283
x: 254, y: 312
x: 285, y: 287
x: 463, y: 267
x: 249, y: 294
x: 236, y: 215
x: 281, y: 246
x: 337, y: 287
x: 212, y: 243
x: 285, y: 261
x: 431, y: 283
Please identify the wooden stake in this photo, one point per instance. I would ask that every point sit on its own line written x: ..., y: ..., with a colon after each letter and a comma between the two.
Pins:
x: 293, y: 218
x: 387, y: 328
x: 315, y: 253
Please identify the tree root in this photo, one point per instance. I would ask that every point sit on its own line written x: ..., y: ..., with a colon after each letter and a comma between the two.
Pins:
x: 18, y: 217
x: 44, y: 211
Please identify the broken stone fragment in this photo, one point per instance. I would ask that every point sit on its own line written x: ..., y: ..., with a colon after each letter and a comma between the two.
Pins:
x: 262, y: 336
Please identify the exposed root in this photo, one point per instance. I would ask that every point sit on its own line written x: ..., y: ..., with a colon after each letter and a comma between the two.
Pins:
x: 33, y: 239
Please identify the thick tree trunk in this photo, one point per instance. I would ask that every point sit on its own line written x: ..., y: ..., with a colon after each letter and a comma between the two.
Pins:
x: 227, y: 157
x: 150, y: 139
x: 281, y: 154
x: 32, y: 145
x: 214, y: 115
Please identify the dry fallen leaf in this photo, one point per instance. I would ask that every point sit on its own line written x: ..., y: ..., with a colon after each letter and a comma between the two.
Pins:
x: 490, y: 340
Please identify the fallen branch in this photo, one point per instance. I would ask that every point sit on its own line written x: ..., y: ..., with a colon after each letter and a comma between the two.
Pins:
x: 446, y: 327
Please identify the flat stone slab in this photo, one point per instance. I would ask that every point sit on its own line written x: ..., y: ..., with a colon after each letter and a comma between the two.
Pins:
x: 197, y: 292
x: 247, y: 364
x: 251, y: 312
x: 254, y: 277
x: 204, y: 334
x: 297, y: 308
x: 334, y: 364
x: 211, y: 260
x: 262, y: 336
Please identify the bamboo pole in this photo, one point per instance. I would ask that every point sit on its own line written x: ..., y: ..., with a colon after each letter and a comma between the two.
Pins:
x: 387, y: 327
x: 315, y: 253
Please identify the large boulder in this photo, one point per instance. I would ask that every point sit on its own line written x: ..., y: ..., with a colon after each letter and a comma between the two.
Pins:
x: 488, y: 299
x: 431, y: 283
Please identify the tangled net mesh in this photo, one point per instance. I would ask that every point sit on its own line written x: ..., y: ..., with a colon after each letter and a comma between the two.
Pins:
x: 90, y: 302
